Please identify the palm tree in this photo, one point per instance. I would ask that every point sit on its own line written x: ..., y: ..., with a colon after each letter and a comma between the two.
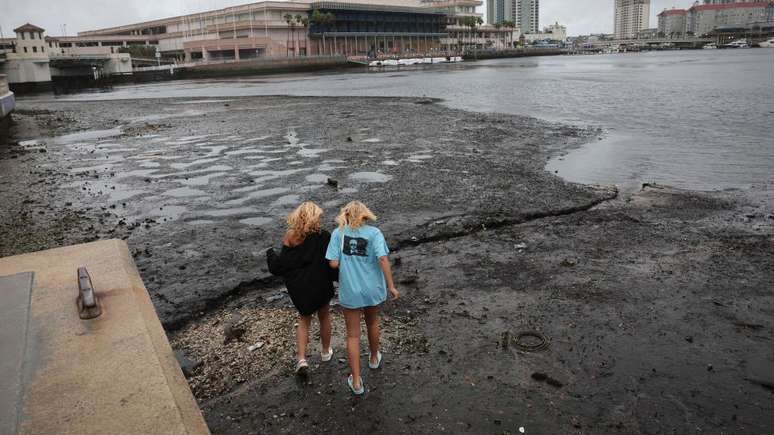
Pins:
x: 297, y: 22
x: 497, y: 27
x: 288, y: 19
x: 305, y: 24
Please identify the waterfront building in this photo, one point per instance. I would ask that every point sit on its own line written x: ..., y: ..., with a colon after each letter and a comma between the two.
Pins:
x: 672, y: 22
x: 461, y: 36
x: 296, y: 28
x: 25, y: 58
x: 555, y: 33
x: 631, y: 16
x: 703, y: 19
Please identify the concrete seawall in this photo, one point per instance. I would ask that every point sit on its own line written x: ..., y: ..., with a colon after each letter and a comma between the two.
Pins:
x: 115, y: 373
x: 481, y: 55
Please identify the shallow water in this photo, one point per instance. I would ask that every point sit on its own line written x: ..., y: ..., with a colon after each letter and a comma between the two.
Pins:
x: 695, y: 119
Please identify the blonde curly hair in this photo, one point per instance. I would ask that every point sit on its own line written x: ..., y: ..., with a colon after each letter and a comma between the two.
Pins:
x: 305, y: 219
x: 354, y: 215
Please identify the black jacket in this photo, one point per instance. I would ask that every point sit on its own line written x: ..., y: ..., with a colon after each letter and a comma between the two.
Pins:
x: 307, y: 274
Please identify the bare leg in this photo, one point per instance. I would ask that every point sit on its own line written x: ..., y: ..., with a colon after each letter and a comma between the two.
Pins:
x: 372, y: 325
x: 352, y: 319
x: 324, y: 315
x: 302, y: 335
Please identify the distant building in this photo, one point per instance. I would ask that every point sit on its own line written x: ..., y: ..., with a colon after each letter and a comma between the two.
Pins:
x: 524, y: 13
x: 26, y: 59
x: 554, y: 33
x: 631, y: 16
x: 672, y: 22
x: 709, y: 17
x: 528, y: 18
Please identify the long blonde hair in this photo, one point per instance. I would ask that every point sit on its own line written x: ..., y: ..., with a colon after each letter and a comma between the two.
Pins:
x: 354, y: 215
x: 305, y: 220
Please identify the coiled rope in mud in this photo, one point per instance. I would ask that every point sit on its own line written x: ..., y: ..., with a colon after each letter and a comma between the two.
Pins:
x: 543, y: 341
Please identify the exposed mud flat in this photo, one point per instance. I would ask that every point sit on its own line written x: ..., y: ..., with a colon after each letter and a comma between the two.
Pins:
x: 653, y: 303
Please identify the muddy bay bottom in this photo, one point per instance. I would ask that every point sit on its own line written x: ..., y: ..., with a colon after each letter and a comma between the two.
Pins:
x: 653, y: 304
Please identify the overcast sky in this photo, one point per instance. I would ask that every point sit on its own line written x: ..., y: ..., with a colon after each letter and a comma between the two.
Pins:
x: 580, y: 16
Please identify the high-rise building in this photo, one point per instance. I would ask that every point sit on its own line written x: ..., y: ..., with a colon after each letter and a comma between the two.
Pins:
x: 672, y: 22
x: 631, y: 16
x: 525, y: 13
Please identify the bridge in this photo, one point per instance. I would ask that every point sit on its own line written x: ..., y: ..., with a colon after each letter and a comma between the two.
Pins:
x: 78, y: 60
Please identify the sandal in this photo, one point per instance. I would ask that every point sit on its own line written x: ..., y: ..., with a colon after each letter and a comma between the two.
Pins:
x: 359, y: 392
x: 302, y: 367
x: 378, y: 361
x: 325, y: 357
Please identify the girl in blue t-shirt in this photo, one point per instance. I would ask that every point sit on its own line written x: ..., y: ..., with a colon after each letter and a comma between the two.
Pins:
x: 360, y: 253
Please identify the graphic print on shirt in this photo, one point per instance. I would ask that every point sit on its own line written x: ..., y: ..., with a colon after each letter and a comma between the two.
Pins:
x: 355, y: 246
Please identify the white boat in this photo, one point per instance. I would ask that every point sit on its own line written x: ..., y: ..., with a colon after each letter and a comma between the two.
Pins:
x: 767, y: 44
x: 711, y: 46
x: 739, y: 43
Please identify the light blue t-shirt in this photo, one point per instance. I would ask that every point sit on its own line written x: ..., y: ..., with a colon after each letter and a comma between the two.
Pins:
x: 361, y: 281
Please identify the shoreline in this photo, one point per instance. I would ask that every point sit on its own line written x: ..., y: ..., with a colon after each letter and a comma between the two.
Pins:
x: 489, y: 242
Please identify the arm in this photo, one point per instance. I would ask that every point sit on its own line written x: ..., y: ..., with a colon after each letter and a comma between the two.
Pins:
x: 334, y: 264
x: 384, y: 263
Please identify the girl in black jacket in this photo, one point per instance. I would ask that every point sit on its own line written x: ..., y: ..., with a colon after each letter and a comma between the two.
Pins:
x: 307, y: 275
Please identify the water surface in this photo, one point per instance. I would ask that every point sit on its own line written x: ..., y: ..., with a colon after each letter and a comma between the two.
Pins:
x: 695, y: 119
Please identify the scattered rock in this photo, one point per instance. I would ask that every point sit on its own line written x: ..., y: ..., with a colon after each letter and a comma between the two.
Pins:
x: 332, y: 182
x: 569, y: 262
x: 186, y: 364
x: 232, y: 329
x: 539, y: 376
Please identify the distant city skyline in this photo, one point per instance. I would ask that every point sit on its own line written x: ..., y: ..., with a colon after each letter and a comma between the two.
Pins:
x: 580, y: 17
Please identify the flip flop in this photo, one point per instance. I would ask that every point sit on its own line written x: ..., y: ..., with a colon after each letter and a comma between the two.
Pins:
x: 378, y: 361
x: 302, y: 367
x: 325, y: 357
x: 359, y: 392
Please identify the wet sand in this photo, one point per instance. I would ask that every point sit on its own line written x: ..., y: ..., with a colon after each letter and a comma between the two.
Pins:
x: 653, y: 302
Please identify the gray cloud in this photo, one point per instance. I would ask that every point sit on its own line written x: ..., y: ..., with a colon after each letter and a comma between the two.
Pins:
x: 580, y: 16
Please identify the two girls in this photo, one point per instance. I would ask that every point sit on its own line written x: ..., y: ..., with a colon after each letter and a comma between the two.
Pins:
x: 360, y: 253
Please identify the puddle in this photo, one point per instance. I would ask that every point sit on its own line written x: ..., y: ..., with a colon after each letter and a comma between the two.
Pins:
x: 84, y: 136
x: 417, y: 158
x: 245, y: 151
x: 317, y: 178
x: 149, y: 164
x: 256, y: 221
x: 263, y: 193
x: 311, y: 152
x: 122, y: 195
x: 184, y: 192
x: 349, y: 190
x: 371, y: 177
x: 228, y: 211
x: 372, y: 140
x: 287, y: 200
x: 137, y: 173
x: 256, y: 139
x: 200, y: 222
x: 215, y: 150
x: 193, y: 163
x: 169, y: 212
x: 202, y: 180
x: 390, y: 163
